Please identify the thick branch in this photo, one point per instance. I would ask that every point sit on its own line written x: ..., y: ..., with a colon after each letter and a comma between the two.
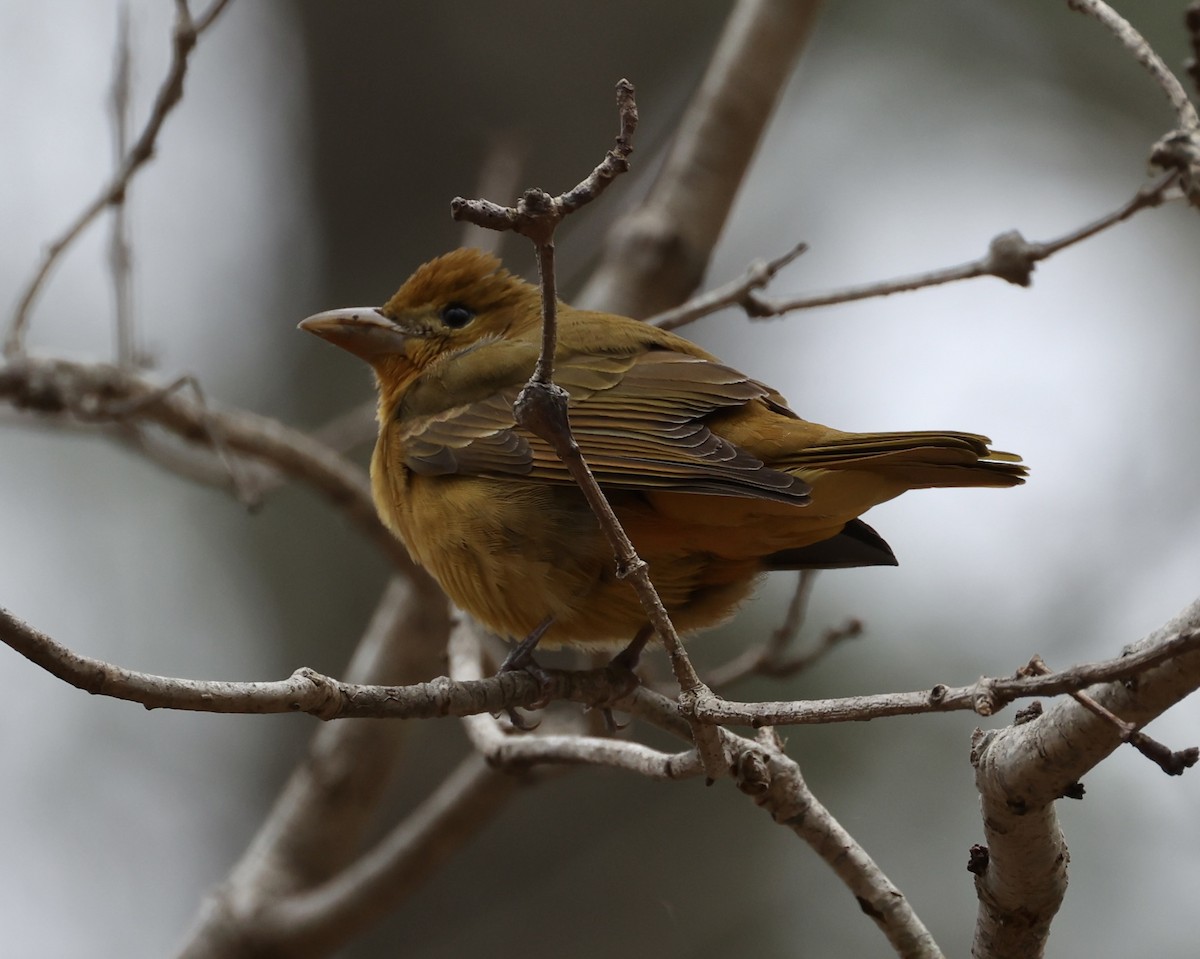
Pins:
x: 318, y: 921
x: 311, y: 692
x: 318, y: 822
x: 1023, y: 769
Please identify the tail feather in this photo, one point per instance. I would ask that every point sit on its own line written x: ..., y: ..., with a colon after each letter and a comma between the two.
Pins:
x: 856, y: 545
x: 918, y: 459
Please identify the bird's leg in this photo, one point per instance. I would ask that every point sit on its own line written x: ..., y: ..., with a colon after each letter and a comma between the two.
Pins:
x: 623, y: 670
x: 520, y: 657
x: 627, y: 659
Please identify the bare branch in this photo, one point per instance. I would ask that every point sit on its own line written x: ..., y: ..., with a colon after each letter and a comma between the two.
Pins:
x: 774, y: 781
x: 98, y: 392
x: 1179, y: 150
x: 985, y: 697
x: 184, y: 37
x: 656, y: 256
x: 1172, y: 762
x: 318, y: 822
x: 541, y: 406
x: 317, y: 921
x: 537, y: 214
x: 1010, y: 257
x: 502, y: 164
x: 311, y: 692
x: 119, y: 248
x: 502, y: 749
x: 305, y: 691
x: 762, y: 771
x: 1020, y: 771
x: 736, y: 292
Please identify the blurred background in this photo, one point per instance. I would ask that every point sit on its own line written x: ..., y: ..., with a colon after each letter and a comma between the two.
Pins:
x: 311, y: 166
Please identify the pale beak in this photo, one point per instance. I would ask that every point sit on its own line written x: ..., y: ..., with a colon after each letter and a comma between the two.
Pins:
x: 362, y: 330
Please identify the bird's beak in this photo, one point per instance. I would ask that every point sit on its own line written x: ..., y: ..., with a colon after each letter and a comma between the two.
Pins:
x: 363, y: 331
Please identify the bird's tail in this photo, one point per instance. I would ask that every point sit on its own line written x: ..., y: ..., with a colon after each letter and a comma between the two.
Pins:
x: 917, y: 460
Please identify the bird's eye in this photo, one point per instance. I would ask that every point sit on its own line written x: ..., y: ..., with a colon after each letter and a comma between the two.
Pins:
x: 456, y: 316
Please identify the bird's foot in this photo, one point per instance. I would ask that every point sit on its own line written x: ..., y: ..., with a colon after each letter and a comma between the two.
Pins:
x: 622, y: 673
x: 520, y: 659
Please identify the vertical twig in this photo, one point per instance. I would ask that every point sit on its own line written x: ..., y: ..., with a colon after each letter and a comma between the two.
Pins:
x: 541, y: 406
x: 184, y: 37
x: 119, y: 247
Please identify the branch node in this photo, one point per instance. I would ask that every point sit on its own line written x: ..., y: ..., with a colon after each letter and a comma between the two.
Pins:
x: 327, y: 700
x: 985, y: 701
x: 1179, y: 152
x: 1011, y: 257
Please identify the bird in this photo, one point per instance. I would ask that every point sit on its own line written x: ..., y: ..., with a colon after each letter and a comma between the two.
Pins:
x: 713, y: 476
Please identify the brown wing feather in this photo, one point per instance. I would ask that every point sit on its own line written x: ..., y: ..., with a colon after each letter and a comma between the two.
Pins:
x: 639, y: 420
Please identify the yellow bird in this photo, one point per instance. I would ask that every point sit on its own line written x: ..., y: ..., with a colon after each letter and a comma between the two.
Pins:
x: 714, y: 478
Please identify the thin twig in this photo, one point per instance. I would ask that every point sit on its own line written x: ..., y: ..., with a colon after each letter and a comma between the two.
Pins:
x: 1010, y: 257
x: 752, y: 660
x: 985, y: 697
x: 186, y: 33
x: 498, y: 175
x: 655, y: 256
x: 119, y: 247
x: 736, y: 292
x: 541, y: 406
x: 98, y: 392
x: 1172, y: 762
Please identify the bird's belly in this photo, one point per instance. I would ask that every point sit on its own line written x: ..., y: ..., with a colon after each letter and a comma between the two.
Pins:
x: 514, y: 553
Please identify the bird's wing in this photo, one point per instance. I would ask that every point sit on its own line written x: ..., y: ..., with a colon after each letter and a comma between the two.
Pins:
x: 640, y: 418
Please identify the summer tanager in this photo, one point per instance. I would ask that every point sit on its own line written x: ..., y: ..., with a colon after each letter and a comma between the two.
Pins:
x: 714, y: 478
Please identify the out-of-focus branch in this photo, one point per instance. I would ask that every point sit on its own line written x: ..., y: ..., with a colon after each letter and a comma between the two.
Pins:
x: 773, y: 658
x: 656, y: 256
x: 1179, y: 150
x: 186, y: 33
x: 318, y: 822
x: 120, y: 256
x: 1141, y: 51
x: 318, y: 921
x: 1020, y: 771
x: 104, y: 393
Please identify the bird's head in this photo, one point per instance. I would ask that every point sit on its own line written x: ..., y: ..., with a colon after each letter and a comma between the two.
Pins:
x: 448, y: 306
